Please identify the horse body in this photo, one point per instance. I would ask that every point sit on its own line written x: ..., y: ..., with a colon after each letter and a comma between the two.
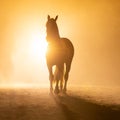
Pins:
x: 60, y: 53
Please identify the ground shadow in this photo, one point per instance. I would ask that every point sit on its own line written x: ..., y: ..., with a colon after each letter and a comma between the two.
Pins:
x: 76, y: 108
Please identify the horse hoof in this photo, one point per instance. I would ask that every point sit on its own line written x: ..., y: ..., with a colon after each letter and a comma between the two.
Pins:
x: 51, y: 93
x: 51, y: 89
x: 56, y: 91
x: 64, y: 91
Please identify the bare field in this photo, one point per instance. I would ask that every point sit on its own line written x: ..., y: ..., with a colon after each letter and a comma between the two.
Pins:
x: 38, y: 104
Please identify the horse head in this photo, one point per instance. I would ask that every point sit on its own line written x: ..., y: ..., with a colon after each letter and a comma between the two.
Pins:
x: 52, y: 29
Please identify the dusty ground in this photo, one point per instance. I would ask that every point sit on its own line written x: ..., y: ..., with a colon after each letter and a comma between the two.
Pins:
x: 38, y: 104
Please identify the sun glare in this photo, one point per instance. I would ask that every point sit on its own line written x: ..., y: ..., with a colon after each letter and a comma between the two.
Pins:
x: 37, y: 48
x: 29, y: 58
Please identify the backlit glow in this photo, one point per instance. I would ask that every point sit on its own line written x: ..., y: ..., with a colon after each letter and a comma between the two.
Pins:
x: 37, y: 48
x: 29, y: 58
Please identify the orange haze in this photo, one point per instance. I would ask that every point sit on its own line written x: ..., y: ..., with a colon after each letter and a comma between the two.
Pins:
x: 92, y: 26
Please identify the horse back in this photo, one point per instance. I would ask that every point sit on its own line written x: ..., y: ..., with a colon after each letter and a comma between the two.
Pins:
x: 69, y: 48
x: 60, y: 52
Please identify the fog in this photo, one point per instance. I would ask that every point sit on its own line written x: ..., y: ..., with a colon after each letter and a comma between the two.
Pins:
x: 93, y: 27
x: 97, y: 44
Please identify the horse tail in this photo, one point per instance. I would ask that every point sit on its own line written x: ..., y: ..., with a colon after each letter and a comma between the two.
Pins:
x: 58, y: 74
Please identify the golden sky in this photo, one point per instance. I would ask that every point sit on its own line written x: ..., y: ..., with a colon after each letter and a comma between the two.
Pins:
x: 93, y: 27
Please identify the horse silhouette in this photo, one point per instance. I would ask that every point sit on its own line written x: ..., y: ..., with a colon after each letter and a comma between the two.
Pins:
x: 60, y: 52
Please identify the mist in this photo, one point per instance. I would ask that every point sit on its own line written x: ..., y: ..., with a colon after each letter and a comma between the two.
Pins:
x: 92, y: 26
x: 97, y: 44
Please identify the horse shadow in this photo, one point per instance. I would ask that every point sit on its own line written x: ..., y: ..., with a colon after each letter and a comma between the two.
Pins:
x: 76, y: 108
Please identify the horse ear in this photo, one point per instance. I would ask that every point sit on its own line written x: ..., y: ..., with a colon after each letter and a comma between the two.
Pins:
x: 56, y: 17
x: 48, y: 17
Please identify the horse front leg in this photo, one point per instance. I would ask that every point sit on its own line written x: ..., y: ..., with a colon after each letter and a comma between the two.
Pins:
x: 56, y: 91
x: 61, y: 77
x: 51, y: 77
x: 66, y: 77
x: 57, y: 78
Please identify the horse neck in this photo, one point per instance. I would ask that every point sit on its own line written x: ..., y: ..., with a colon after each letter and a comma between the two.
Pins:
x: 53, y: 37
x: 56, y: 37
x: 55, y: 33
x: 54, y: 42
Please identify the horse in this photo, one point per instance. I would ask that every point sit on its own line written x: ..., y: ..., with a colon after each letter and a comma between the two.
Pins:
x: 59, y: 56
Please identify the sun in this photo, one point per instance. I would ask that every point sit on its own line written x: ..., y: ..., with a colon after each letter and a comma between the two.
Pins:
x: 37, y: 47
